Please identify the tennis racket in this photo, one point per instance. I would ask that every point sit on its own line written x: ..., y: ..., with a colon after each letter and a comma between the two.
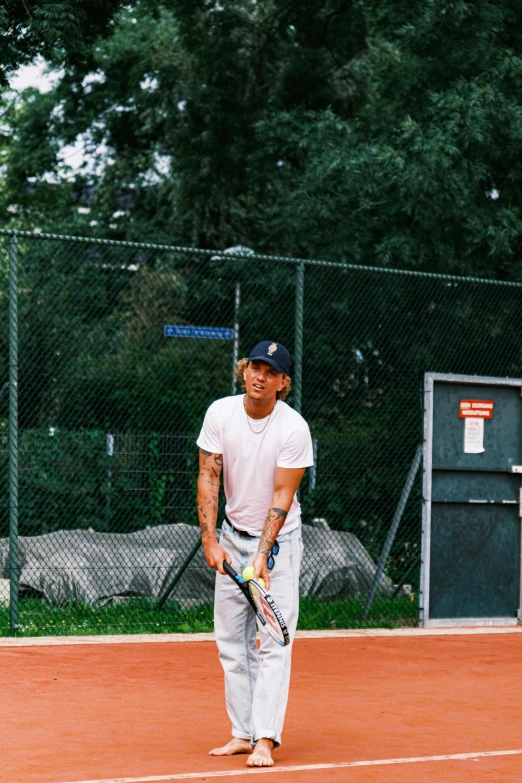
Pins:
x: 263, y: 604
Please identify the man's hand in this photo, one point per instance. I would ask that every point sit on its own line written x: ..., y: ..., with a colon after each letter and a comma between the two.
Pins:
x: 215, y: 554
x: 261, y: 569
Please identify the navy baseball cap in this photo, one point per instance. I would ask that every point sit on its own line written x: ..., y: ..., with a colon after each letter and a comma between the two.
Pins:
x: 272, y: 353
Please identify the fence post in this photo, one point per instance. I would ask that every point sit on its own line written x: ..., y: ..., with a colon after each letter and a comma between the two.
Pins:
x: 177, y: 576
x: 392, y: 532
x: 298, y: 349
x: 235, y: 350
x: 13, y: 433
x: 109, y: 448
x: 312, y: 472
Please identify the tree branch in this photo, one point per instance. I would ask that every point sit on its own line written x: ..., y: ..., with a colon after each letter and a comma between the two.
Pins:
x: 27, y: 9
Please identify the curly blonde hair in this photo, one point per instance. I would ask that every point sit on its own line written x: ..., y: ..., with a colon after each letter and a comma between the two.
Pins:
x: 240, y: 375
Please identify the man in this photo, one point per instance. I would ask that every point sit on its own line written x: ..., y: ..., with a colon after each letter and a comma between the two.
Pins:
x: 264, y: 447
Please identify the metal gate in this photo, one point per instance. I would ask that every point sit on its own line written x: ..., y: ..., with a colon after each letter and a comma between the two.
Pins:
x: 472, y: 501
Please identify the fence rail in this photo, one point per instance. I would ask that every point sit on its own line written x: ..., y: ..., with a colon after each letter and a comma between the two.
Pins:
x: 98, y: 430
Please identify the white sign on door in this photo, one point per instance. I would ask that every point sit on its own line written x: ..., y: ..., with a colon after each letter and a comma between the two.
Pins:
x: 473, y: 436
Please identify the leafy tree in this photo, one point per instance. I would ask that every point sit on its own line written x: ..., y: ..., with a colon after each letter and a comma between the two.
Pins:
x: 62, y: 31
x: 375, y: 132
x: 64, y: 35
x: 168, y: 103
x: 426, y: 173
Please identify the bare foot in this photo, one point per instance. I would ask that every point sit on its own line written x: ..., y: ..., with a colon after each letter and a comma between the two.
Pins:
x: 231, y: 748
x: 262, y: 755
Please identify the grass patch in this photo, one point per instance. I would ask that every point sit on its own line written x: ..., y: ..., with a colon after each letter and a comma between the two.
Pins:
x: 134, y: 615
x: 139, y: 615
x: 385, y: 613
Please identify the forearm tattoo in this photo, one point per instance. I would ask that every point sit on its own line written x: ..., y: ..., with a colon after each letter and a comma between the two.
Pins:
x: 208, y: 490
x: 207, y: 531
x: 271, y: 528
x: 218, y: 462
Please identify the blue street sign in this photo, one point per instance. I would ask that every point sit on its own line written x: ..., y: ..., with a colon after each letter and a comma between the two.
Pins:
x: 205, y: 332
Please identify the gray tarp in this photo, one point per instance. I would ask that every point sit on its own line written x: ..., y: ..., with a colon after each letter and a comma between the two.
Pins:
x: 94, y: 567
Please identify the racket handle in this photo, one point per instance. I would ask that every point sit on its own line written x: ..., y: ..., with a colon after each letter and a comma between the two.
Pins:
x: 229, y: 570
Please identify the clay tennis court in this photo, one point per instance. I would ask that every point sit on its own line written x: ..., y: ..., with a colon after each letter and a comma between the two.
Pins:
x: 417, y: 706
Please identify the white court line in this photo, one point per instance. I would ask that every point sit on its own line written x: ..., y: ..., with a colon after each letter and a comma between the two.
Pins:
x: 304, y: 767
x: 158, y: 638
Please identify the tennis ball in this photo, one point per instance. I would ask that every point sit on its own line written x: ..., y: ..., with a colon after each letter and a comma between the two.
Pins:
x: 261, y: 581
x: 248, y: 573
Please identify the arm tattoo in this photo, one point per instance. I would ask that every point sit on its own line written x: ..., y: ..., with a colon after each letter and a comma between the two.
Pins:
x: 205, y: 455
x: 270, y: 530
x: 218, y: 462
x: 208, y: 490
x: 206, y: 531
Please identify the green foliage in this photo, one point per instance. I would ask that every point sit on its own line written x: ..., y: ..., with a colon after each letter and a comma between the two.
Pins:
x: 424, y: 174
x: 168, y: 102
x: 64, y: 30
x: 138, y: 615
x: 62, y: 478
x: 158, y: 483
x: 376, y: 132
x: 70, y: 480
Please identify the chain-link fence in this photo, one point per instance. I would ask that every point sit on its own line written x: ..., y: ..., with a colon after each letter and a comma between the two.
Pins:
x: 101, y: 403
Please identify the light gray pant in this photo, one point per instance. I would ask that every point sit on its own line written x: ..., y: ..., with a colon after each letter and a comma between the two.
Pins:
x: 256, y: 681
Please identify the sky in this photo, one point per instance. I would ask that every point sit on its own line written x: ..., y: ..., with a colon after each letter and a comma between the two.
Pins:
x: 31, y: 76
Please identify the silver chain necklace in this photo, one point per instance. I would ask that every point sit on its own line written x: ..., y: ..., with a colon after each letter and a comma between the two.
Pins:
x: 257, y: 432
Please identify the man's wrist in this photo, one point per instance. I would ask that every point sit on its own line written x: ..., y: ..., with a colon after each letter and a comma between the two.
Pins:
x: 207, y: 533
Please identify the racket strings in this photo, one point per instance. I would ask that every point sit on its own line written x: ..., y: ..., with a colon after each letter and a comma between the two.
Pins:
x: 271, y: 621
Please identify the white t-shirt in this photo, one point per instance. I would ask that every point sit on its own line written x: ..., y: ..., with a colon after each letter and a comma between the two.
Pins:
x: 250, y: 460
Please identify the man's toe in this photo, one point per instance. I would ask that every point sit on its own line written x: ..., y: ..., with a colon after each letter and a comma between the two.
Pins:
x: 260, y: 760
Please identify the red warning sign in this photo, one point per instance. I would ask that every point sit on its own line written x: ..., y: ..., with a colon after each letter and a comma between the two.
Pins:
x: 476, y: 409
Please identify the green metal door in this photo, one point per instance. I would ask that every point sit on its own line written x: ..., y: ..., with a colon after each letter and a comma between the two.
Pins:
x: 471, y: 520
